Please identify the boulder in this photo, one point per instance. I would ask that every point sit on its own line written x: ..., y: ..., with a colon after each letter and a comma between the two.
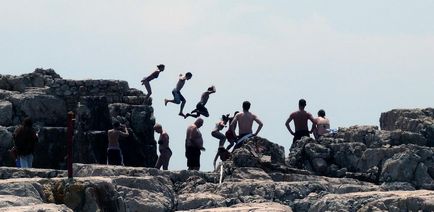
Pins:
x: 6, y: 143
x: 6, y: 113
x: 257, y: 207
x: 376, y: 201
x: 146, y: 193
x: 399, y: 137
x: 368, y: 135
x: 402, y: 166
x: 413, y: 120
x: 22, y: 188
x: 93, y: 114
x: 50, y: 152
x: 199, y: 201
x: 259, y: 152
x: 12, y: 172
x: 13, y: 201
x: 347, y: 154
x: 39, y: 208
x: 45, y: 110
x: 319, y: 165
x: 315, y: 150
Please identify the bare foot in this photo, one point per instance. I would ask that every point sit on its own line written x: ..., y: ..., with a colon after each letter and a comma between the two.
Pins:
x: 165, y: 102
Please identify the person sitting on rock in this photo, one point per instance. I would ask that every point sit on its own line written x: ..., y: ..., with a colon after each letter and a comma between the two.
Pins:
x: 163, y: 147
x: 25, y: 139
x: 145, y: 81
x: 193, y: 145
x: 300, y: 118
x: 224, y: 155
x: 245, y: 121
x: 322, y: 125
x: 200, y: 107
x: 176, y: 92
x: 114, y: 153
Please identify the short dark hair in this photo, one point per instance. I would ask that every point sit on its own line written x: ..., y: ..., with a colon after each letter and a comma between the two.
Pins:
x: 246, y: 105
x: 321, y: 113
x: 188, y: 74
x: 161, y: 67
x: 302, y: 102
x: 225, y: 118
x: 27, y: 122
x: 116, y: 124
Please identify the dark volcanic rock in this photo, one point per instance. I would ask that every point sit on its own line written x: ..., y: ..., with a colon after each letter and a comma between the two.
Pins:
x: 45, y: 97
x: 51, y: 148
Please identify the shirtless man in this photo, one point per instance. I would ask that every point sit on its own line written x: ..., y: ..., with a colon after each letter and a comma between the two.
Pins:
x: 114, y: 153
x: 245, y: 122
x: 193, y: 145
x: 322, y: 125
x: 200, y: 107
x: 163, y: 147
x: 176, y: 92
x: 300, y: 118
x: 145, y: 81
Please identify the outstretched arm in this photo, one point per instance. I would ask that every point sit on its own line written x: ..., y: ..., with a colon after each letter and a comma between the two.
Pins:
x: 124, y: 134
x: 259, y: 127
x: 233, y: 124
x: 313, y: 123
x: 289, y: 126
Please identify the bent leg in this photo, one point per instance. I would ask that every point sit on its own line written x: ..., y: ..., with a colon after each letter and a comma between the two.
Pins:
x: 159, y: 162
x: 148, y: 89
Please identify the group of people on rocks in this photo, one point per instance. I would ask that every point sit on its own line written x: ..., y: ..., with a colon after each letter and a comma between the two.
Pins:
x: 25, y: 137
x: 242, y: 120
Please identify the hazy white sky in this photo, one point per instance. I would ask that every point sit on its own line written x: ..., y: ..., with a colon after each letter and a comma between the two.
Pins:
x: 353, y: 59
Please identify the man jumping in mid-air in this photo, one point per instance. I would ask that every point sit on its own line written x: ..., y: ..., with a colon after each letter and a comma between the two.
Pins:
x: 200, y: 107
x: 176, y: 92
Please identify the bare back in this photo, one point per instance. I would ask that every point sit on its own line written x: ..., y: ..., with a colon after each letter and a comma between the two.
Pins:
x: 245, y: 122
x: 322, y: 125
x: 113, y: 138
x: 300, y: 120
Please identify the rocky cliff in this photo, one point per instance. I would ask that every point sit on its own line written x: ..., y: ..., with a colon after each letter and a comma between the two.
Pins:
x: 359, y: 168
x: 45, y: 97
x: 255, y: 179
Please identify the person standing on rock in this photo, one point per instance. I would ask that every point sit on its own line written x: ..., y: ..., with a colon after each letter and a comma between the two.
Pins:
x: 25, y: 139
x: 300, y: 118
x: 114, y: 153
x: 200, y: 107
x: 245, y: 121
x: 145, y: 81
x: 163, y: 147
x: 176, y: 92
x: 322, y: 125
x: 193, y: 145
